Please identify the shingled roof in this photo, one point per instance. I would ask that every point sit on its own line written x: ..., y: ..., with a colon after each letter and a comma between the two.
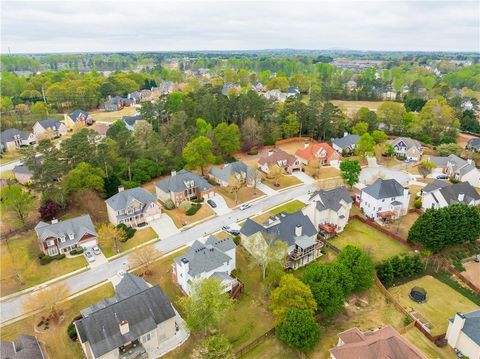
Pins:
x: 346, y: 141
x: 471, y: 327
x: 142, y: 306
x: 176, y: 183
x: 331, y: 199
x: 384, y: 189
x: 230, y: 169
x: 24, y: 347
x: 9, y: 135
x: 122, y: 199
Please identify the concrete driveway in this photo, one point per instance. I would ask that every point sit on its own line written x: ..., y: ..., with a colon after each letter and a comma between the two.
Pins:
x: 100, y: 259
x: 222, y: 207
x: 164, y: 226
x: 267, y: 190
x: 302, y: 176
x: 370, y: 174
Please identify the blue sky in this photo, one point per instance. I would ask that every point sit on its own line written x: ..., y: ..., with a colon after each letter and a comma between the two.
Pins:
x: 72, y: 26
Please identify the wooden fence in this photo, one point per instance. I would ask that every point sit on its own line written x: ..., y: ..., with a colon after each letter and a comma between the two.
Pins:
x: 253, y: 344
x: 447, y: 266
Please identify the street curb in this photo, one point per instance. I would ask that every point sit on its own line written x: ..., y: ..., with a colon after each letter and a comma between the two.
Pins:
x: 121, y: 254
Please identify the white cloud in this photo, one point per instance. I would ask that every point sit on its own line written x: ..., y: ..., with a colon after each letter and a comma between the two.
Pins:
x: 77, y: 26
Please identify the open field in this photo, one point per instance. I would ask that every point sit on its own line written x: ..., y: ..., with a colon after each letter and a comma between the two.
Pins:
x: 56, y: 340
x: 141, y: 236
x: 24, y: 261
x: 284, y: 182
x: 181, y: 219
x: 428, y: 348
x: 244, y: 194
x: 351, y: 107
x: 378, y: 245
x: 402, y: 226
x: 438, y: 307
x: 288, y: 207
x: 103, y: 116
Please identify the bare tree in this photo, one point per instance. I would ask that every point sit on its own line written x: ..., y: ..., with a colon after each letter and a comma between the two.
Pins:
x: 144, y: 257
x: 49, y: 301
x: 109, y: 235
x: 275, y: 173
x: 255, y: 177
x: 235, y: 184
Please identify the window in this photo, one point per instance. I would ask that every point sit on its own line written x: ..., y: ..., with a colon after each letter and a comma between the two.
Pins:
x: 146, y: 338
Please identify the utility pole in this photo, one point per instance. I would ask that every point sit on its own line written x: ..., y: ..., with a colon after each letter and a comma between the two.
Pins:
x: 45, y: 99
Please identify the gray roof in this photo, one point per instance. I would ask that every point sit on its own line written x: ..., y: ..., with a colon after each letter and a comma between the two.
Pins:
x: 9, y: 134
x: 346, y: 141
x: 331, y: 199
x: 22, y: 169
x: 451, y: 193
x: 130, y: 120
x: 78, y: 226
x: 50, y: 123
x: 122, y: 199
x: 221, y: 276
x: 207, y: 257
x: 384, y: 189
x: 143, y: 307
x: 471, y: 328
x: 458, y: 164
x: 282, y: 226
x: 24, y: 347
x: 176, y: 183
x: 434, y: 186
x: 439, y: 161
x: 75, y: 114
x: 409, y: 142
x: 230, y: 169
x: 305, y: 242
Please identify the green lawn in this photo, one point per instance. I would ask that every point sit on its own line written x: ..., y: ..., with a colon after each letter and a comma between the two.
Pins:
x: 24, y: 258
x: 272, y: 348
x: 378, y: 245
x: 288, y: 207
x: 58, y: 344
x: 428, y: 348
x: 442, y: 302
x: 141, y: 236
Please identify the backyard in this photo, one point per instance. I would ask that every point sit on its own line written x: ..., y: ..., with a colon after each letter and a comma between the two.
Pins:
x: 283, y: 182
x: 56, y: 340
x: 24, y: 260
x: 141, y: 236
x: 427, y: 347
x: 378, y: 245
x: 181, y: 219
x: 101, y: 115
x: 438, y: 307
x: 402, y: 226
x: 351, y: 107
x: 288, y: 207
x: 244, y: 194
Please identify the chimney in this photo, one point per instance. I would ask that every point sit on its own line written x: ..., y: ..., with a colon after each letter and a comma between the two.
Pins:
x: 345, y: 134
x: 54, y: 221
x: 298, y: 230
x: 461, y: 197
x: 173, y: 173
x: 469, y: 161
x: 186, y: 265
x: 270, y: 152
x: 305, y: 144
x: 121, y: 189
x: 124, y: 328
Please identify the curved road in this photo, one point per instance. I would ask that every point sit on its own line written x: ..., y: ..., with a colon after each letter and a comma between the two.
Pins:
x: 12, y: 308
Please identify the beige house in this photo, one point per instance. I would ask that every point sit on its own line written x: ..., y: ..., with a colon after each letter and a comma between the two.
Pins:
x: 46, y: 129
x: 408, y: 148
x: 463, y: 333
x: 13, y: 139
x: 280, y: 158
x: 78, y: 118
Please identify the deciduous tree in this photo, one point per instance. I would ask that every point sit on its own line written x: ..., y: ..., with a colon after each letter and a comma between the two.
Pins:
x: 50, y: 301
x: 17, y: 201
x: 299, y: 329
x: 144, y: 257
x: 198, y: 152
x: 111, y: 236
x: 350, y: 171
x: 360, y: 265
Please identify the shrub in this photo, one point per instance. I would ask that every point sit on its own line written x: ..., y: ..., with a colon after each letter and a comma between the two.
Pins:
x: 169, y: 204
x: 193, y: 209
x: 130, y: 233
x: 197, y: 200
x: 252, y: 153
x: 407, y: 320
x: 217, y: 160
x: 45, y: 259
x: 185, y: 206
x: 418, y: 203
x: 61, y: 256
x: 72, y: 333
x: 76, y: 251
x: 236, y: 240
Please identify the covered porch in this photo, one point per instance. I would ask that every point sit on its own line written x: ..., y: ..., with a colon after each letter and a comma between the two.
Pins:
x: 133, y: 350
x: 327, y: 230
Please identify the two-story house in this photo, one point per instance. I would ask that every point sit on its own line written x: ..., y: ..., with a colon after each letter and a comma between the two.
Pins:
x: 130, y: 121
x: 284, y: 160
x: 24, y: 347
x: 183, y: 185
x: 321, y: 151
x: 296, y: 229
x: 246, y: 174
x: 49, y: 128
x: 457, y: 168
x: 329, y: 210
x: 62, y: 236
x: 345, y: 144
x: 78, y: 118
x: 385, y: 200
x: 132, y: 207
x: 216, y: 258
x: 133, y: 324
x: 13, y: 139
x: 463, y: 333
x: 439, y: 194
x: 408, y: 148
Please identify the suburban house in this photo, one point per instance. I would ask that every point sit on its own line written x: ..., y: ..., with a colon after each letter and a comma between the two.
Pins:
x: 132, y: 324
x: 13, y: 139
x: 439, y: 194
x: 351, y: 85
x: 246, y: 174
x: 78, y: 118
x: 408, y: 148
x: 164, y: 88
x: 214, y: 259
x: 49, y: 128
x: 22, y: 174
x: 382, y: 343
x: 62, y: 236
x: 321, y: 151
x: 116, y: 103
x: 457, y: 168
x: 133, y: 207
x: 135, y: 96
x: 296, y: 229
x: 473, y: 144
x: 227, y: 88
x: 183, y: 185
x: 329, y: 210
x: 130, y: 121
x: 258, y: 87
x: 384, y: 200
x: 276, y: 95
x: 293, y: 91
x: 281, y: 158
x: 24, y: 347
x: 346, y: 143
x: 145, y: 94
x: 463, y: 333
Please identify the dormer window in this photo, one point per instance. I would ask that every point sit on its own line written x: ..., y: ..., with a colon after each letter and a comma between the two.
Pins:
x: 71, y: 235
x: 62, y: 239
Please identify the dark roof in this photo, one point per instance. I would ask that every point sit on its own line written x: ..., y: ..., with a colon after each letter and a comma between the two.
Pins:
x: 122, y: 199
x: 50, y: 123
x: 471, y: 327
x: 130, y: 120
x: 9, y: 134
x: 331, y: 199
x: 282, y: 226
x: 230, y: 169
x: 75, y: 114
x: 143, y: 307
x: 384, y: 189
x: 346, y: 141
x: 453, y: 191
x: 24, y: 347
x: 176, y: 183
x: 434, y: 186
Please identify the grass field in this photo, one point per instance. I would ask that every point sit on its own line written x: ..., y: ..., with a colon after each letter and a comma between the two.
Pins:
x: 244, y: 194
x: 283, y: 181
x: 141, y: 236
x: 24, y: 259
x: 439, y: 305
x: 103, y: 116
x: 351, y: 107
x: 289, y: 207
x: 378, y: 245
x: 56, y: 340
x: 428, y: 348
x: 180, y: 218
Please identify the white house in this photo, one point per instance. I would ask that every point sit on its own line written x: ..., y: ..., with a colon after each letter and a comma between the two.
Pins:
x: 463, y: 333
x: 329, y: 210
x: 407, y: 148
x: 216, y: 258
x: 439, y: 194
x: 457, y: 168
x: 384, y: 200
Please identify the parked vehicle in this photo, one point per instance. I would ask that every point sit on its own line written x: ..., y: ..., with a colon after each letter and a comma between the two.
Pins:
x: 212, y: 204
x: 90, y: 257
x: 244, y: 207
x: 121, y: 273
x: 96, y: 250
x: 442, y: 177
x: 231, y: 231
